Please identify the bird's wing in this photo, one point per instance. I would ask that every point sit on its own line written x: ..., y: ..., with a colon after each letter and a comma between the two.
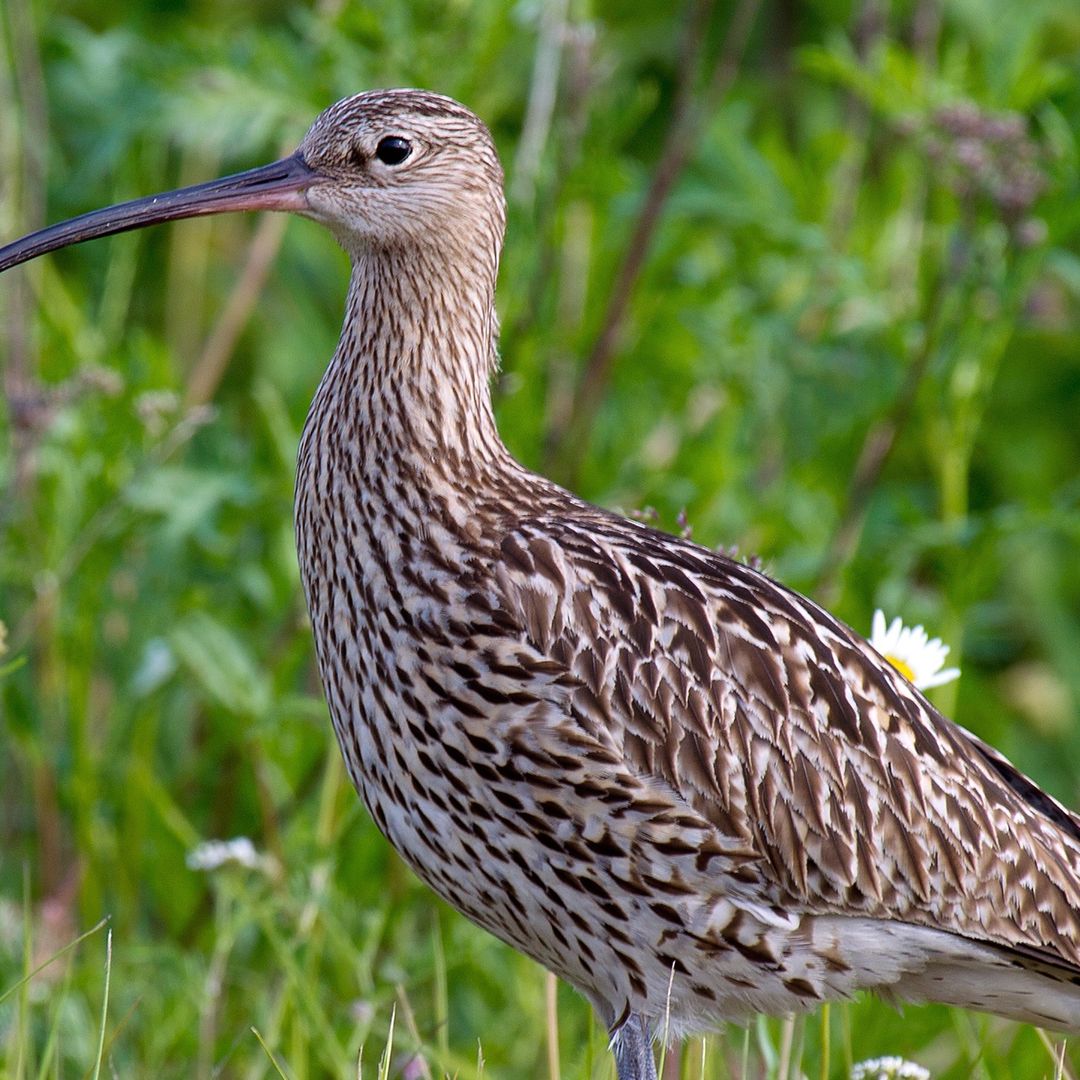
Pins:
x: 789, y: 734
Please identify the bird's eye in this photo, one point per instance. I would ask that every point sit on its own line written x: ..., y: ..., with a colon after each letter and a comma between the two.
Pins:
x: 393, y: 150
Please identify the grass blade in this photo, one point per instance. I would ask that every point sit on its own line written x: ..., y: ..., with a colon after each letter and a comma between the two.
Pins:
x: 387, y: 1054
x: 55, y: 956
x: 273, y: 1060
x: 104, y: 1006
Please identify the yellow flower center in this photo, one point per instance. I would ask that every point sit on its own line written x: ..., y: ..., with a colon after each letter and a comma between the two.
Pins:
x: 902, y: 666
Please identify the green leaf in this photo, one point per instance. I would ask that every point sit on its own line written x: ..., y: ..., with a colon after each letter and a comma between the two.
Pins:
x: 221, y: 664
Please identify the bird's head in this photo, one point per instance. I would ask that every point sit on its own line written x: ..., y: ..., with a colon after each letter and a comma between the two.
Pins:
x: 384, y: 170
x: 403, y: 168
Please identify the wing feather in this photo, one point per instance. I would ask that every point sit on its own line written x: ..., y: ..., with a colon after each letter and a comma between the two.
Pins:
x: 787, y: 735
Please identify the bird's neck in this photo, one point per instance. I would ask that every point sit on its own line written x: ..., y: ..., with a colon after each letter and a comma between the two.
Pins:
x: 410, y: 378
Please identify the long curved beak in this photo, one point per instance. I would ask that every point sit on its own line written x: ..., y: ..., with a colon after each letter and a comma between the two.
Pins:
x: 279, y: 186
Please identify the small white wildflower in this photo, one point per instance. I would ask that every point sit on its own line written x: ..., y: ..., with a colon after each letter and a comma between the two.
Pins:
x: 913, y: 653
x: 214, y: 854
x: 889, y: 1068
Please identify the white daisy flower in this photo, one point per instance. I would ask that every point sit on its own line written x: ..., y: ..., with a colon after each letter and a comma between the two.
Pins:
x: 913, y: 653
x: 240, y: 851
x: 889, y: 1068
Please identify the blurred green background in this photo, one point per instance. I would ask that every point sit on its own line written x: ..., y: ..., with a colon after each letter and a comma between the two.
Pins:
x: 805, y: 276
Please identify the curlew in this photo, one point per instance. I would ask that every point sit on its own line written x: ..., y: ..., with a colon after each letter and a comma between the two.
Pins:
x: 687, y: 790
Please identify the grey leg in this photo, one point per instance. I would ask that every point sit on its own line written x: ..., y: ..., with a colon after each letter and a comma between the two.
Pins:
x: 633, y: 1050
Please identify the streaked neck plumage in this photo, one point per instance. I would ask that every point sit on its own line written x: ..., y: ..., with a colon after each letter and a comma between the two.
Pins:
x: 410, y: 377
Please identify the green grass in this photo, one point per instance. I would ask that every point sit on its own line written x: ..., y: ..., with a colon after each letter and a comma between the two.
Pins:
x: 844, y: 262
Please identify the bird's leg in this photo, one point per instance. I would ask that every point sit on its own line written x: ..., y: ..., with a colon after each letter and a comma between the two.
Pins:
x: 633, y: 1050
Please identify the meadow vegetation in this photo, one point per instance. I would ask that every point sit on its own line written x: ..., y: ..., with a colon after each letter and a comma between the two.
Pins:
x: 807, y: 274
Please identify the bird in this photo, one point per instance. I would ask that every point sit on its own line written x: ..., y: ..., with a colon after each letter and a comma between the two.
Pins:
x: 684, y: 788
